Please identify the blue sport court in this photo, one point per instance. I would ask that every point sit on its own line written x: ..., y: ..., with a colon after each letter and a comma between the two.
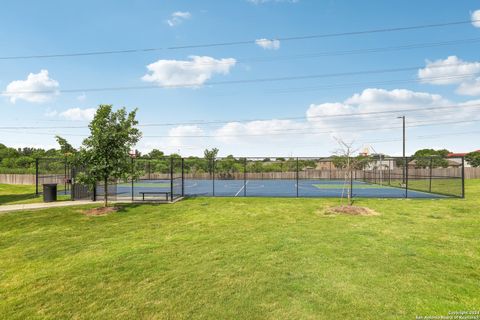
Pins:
x: 266, y: 188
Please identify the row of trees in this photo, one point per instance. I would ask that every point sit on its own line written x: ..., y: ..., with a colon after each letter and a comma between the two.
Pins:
x: 22, y: 160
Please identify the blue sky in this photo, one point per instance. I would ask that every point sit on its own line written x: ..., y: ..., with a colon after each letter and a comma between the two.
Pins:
x: 51, y: 27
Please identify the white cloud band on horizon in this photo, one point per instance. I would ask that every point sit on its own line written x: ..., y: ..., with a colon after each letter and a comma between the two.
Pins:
x: 321, y: 126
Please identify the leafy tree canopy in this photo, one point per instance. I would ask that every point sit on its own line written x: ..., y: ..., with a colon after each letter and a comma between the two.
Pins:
x: 473, y: 158
x: 425, y: 158
x: 105, y: 153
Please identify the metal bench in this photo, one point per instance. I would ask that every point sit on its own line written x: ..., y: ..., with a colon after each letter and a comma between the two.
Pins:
x: 167, y: 194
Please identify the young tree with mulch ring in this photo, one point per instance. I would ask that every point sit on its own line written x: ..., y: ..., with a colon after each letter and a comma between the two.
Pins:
x: 105, y: 153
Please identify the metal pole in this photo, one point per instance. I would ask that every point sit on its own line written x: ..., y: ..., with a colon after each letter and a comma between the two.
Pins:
x: 65, y: 179
x: 404, y: 169
x: 245, y: 177
x: 463, y: 177
x: 330, y: 170
x: 72, y: 188
x: 406, y: 178
x: 171, y: 179
x: 213, y: 176
x: 431, y: 169
x: 36, y: 177
x: 94, y: 193
x: 183, y: 177
x: 351, y: 184
x: 297, y: 177
x: 133, y: 195
x: 390, y: 172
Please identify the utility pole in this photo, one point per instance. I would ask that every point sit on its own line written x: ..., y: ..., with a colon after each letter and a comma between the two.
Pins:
x: 405, y: 164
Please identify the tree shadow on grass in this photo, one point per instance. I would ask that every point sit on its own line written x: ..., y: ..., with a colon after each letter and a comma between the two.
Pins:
x: 13, y: 198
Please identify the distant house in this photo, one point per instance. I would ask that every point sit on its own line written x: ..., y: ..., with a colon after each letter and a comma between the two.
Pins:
x: 457, y: 157
x: 325, y: 165
x: 452, y: 163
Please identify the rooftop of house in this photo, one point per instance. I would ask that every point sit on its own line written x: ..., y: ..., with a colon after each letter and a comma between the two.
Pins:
x: 452, y: 155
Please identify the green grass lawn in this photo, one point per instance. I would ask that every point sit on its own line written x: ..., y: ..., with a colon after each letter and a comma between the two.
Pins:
x: 15, y: 194
x: 20, y: 194
x: 250, y: 258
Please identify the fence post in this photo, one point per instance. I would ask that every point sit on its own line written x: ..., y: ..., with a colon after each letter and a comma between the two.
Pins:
x: 330, y: 170
x: 36, y: 177
x: 431, y: 172
x: 171, y: 178
x: 245, y: 177
x: 213, y: 176
x: 463, y: 177
x: 94, y: 193
x: 183, y: 177
x: 406, y: 177
x: 297, y: 177
x: 351, y: 185
x: 133, y: 186
x: 65, y: 179
x: 72, y: 184
x: 389, y: 172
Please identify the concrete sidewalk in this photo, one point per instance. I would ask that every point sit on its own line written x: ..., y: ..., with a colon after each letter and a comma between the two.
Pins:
x: 43, y: 205
x: 46, y: 205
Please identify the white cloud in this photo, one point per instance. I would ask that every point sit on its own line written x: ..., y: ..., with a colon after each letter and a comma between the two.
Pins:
x: 448, y: 71
x: 78, y: 114
x: 268, y: 44
x: 469, y: 88
x: 37, y: 88
x: 191, y: 73
x: 178, y: 17
x: 476, y: 18
x: 313, y: 136
x: 181, y: 137
x: 267, y: 1
x: 374, y: 100
x: 401, y: 98
x: 255, y: 130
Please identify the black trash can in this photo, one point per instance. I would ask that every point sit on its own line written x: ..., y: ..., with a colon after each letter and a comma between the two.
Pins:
x: 50, y: 192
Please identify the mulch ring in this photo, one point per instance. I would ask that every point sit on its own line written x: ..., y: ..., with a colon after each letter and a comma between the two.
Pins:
x: 102, y: 211
x: 351, y: 210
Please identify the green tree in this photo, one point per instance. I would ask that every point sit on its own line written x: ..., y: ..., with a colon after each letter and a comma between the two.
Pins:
x: 155, y: 154
x: 425, y: 158
x: 210, y: 156
x: 66, y: 149
x: 473, y: 158
x: 105, y: 153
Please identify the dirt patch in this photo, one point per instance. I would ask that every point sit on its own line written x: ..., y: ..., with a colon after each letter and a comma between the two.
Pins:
x: 351, y: 210
x: 100, y: 211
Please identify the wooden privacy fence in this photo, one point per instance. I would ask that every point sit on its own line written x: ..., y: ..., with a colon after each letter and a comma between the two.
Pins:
x: 10, y: 178
x: 470, y: 173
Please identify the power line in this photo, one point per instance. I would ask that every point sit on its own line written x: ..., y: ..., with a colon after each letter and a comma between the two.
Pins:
x: 273, y: 134
x: 312, y: 132
x: 244, y: 42
x: 358, y: 114
x: 245, y: 81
